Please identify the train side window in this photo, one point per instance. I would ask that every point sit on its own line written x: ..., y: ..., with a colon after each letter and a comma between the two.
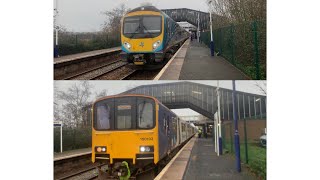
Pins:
x: 103, y: 117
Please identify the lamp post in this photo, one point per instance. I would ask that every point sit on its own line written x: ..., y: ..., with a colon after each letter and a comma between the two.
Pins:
x: 198, y: 30
x: 219, y: 122
x: 211, y: 35
x: 236, y: 133
x: 56, y: 49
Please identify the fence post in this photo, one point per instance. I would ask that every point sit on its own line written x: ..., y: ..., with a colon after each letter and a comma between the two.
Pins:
x: 256, y: 52
x: 220, y: 40
x: 76, y: 40
x: 231, y: 139
x: 232, y: 44
x: 223, y: 136
x: 245, y: 139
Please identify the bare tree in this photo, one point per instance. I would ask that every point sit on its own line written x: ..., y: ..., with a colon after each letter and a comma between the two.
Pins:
x: 262, y: 85
x: 101, y: 94
x: 75, y: 98
x: 56, y: 108
x: 238, y: 11
x: 112, y: 24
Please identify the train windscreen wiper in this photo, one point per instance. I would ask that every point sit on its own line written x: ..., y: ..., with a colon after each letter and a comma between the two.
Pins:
x: 134, y: 32
x: 147, y: 30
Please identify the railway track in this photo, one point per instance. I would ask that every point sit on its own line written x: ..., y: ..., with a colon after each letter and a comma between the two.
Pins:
x: 98, y: 71
x: 117, y: 73
x: 87, y: 173
x: 141, y: 75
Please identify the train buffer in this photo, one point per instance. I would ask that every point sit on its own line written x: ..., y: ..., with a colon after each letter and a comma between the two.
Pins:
x: 197, y: 160
x: 194, y: 62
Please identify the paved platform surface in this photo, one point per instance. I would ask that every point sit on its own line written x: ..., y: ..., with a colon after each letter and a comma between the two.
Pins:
x: 176, y: 167
x: 84, y: 55
x: 204, y: 164
x: 200, y: 65
x: 71, y: 153
x: 172, y: 69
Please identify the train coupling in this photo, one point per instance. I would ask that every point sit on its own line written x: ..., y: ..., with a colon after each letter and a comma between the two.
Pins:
x: 120, y: 170
x: 139, y: 59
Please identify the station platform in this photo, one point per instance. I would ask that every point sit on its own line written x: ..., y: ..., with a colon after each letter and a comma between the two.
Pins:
x: 193, y: 61
x: 71, y: 154
x: 83, y: 55
x: 197, y: 160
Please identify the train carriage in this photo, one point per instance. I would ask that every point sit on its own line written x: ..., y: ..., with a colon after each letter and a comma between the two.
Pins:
x: 149, y: 36
x: 136, y: 130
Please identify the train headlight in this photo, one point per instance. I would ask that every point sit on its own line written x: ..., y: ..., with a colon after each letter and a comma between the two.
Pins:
x: 127, y: 45
x: 101, y: 149
x: 146, y: 149
x: 156, y: 44
x: 142, y: 149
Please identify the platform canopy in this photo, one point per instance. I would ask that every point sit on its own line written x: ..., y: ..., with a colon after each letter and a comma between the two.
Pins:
x: 203, y: 99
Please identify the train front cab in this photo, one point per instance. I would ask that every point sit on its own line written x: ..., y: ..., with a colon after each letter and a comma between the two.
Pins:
x: 125, y: 129
x: 142, y: 35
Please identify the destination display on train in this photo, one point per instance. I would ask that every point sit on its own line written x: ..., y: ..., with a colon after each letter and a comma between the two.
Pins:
x: 124, y: 107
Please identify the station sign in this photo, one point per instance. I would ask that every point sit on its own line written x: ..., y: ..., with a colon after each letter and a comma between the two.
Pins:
x: 57, y: 123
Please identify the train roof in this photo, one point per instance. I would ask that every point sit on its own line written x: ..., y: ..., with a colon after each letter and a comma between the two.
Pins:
x: 145, y: 8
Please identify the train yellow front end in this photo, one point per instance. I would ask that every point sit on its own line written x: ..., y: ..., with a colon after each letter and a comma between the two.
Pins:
x: 125, y: 129
x: 142, y: 35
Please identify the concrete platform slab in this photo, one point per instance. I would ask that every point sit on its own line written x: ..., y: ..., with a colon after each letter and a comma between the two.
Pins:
x: 175, y: 169
x: 171, y: 71
x: 200, y: 65
x: 71, y: 153
x: 73, y: 57
x: 206, y: 165
x: 197, y: 160
x: 193, y: 61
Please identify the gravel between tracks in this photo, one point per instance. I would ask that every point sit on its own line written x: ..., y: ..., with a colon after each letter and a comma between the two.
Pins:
x: 101, y: 71
x: 116, y: 74
x: 144, y: 75
x: 88, y: 175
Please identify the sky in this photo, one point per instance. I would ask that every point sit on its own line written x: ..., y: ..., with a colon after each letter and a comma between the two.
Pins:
x: 86, y: 15
x: 116, y: 87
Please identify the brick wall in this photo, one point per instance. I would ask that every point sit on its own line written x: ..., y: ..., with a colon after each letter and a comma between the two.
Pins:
x: 254, y: 129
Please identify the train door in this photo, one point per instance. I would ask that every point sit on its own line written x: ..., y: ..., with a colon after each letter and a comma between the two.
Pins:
x: 174, y: 132
x: 179, y: 130
x: 168, y: 133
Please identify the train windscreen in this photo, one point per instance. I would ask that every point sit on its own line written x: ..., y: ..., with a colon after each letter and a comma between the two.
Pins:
x: 145, y: 114
x: 124, y: 113
x: 142, y: 26
x: 103, y: 115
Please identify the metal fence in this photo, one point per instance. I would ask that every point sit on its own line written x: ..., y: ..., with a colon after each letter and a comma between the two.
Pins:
x: 72, y: 138
x: 243, y: 45
x: 72, y: 43
x: 252, y: 153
